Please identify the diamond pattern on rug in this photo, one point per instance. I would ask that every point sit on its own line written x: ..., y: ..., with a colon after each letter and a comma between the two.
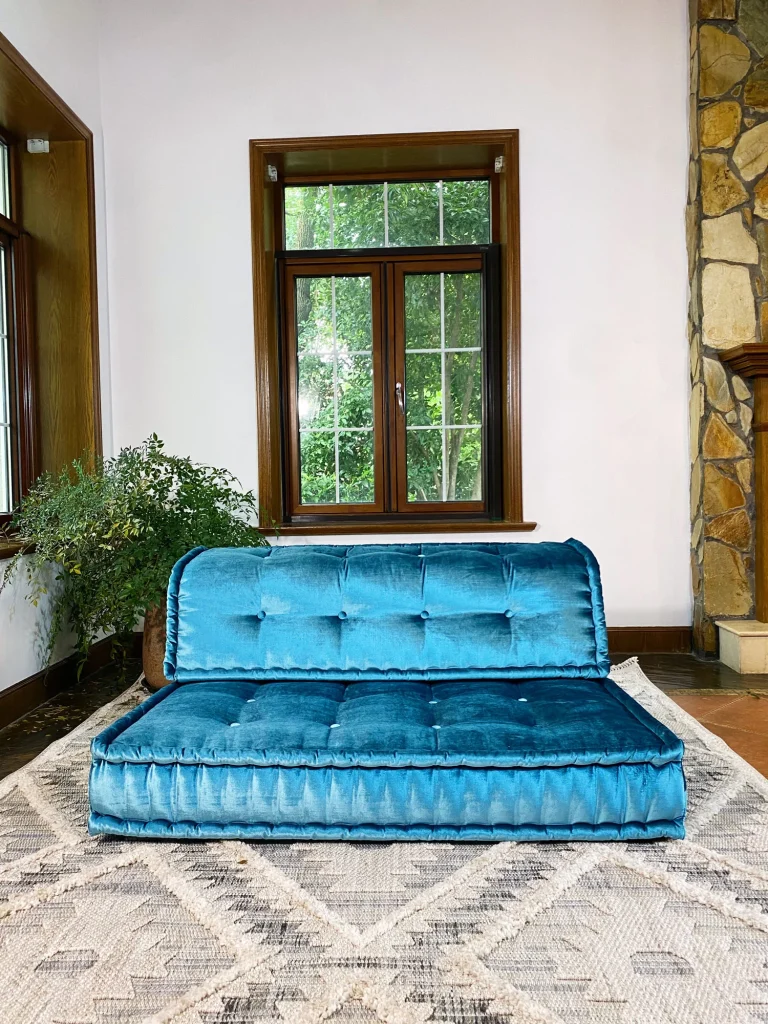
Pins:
x: 618, y: 940
x: 740, y: 828
x: 706, y: 774
x: 64, y: 784
x: 95, y: 930
x: 363, y: 882
x: 23, y: 830
x: 250, y: 906
x: 116, y: 949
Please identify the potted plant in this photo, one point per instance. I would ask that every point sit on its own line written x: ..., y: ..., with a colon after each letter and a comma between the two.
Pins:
x: 112, y: 529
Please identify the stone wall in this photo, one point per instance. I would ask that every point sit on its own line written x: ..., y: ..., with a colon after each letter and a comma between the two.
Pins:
x: 727, y: 232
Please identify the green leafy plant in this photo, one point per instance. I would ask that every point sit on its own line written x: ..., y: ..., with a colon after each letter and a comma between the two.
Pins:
x: 112, y: 529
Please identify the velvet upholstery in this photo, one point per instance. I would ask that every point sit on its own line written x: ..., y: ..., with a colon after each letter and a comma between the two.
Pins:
x: 545, y: 758
x: 387, y: 692
x: 410, y: 611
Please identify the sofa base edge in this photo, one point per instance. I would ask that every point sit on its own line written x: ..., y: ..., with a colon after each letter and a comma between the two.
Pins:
x: 103, y: 824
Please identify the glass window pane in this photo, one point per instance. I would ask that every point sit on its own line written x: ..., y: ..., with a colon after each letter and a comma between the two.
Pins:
x: 464, y: 478
x: 423, y: 389
x: 424, y: 456
x: 314, y: 314
x: 444, y: 387
x: 5, y: 383
x: 355, y: 390
x: 307, y: 217
x: 358, y: 216
x: 368, y: 216
x: 414, y: 213
x: 356, y: 484
x: 466, y: 212
x: 6, y: 483
x: 353, y: 313
x: 318, y: 468
x: 422, y: 311
x: 335, y: 389
x: 5, y: 180
x: 6, y: 490
x: 316, y: 391
x: 464, y: 376
x: 463, y: 310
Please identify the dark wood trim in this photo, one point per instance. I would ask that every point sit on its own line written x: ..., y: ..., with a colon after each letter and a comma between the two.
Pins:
x: 62, y: 178
x: 384, y: 155
x: 650, y: 639
x: 751, y: 361
x: 747, y: 360
x: 408, y: 524
x: 94, y: 289
x: 26, y: 366
x: 375, y: 177
x: 512, y: 439
x: 266, y: 338
x: 9, y: 548
x: 7, y: 226
x: 30, y: 693
x: 77, y: 128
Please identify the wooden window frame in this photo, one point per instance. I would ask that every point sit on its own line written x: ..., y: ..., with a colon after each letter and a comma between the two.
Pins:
x: 55, y: 293
x: 368, y: 158
x: 20, y: 366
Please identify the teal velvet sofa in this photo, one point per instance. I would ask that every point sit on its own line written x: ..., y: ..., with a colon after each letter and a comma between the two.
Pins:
x: 388, y: 692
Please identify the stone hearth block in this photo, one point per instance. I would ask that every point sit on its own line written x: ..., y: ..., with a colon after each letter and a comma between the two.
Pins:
x: 744, y: 645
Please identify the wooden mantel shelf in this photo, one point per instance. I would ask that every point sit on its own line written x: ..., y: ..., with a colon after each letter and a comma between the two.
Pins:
x: 751, y: 360
x: 747, y: 360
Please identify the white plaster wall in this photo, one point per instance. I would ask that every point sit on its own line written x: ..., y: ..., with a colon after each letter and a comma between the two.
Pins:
x: 598, y: 91
x: 60, y: 39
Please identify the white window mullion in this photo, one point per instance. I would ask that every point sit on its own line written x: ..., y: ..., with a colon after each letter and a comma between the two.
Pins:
x: 330, y: 215
x: 386, y: 214
x: 440, y: 206
x: 335, y: 390
x: 443, y: 381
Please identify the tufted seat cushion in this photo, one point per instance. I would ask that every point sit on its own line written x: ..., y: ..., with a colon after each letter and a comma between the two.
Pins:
x: 472, y: 759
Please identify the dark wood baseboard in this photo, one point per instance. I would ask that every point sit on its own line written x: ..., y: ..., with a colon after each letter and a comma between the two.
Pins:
x: 29, y: 693
x: 650, y: 639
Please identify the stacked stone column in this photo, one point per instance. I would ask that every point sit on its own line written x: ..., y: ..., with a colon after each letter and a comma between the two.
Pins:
x: 727, y: 233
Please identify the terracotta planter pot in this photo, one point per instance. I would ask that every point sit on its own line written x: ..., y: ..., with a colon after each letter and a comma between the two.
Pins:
x: 153, y: 647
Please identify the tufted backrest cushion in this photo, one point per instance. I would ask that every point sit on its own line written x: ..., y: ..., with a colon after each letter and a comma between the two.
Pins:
x: 366, y: 612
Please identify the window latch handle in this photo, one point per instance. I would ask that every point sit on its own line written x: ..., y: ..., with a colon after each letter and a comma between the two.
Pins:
x: 399, y: 396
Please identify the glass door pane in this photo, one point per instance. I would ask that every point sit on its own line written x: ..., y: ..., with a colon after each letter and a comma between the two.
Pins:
x: 6, y: 481
x: 335, y: 389
x: 443, y: 365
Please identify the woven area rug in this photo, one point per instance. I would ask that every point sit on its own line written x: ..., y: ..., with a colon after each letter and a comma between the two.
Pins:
x: 101, y: 930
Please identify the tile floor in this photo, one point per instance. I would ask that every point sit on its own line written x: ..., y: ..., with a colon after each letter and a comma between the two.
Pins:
x: 741, y: 719
x: 733, y: 706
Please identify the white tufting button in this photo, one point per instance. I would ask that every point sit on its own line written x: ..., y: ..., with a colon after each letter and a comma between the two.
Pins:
x: 434, y: 702
x: 251, y: 700
x: 436, y: 727
x: 523, y: 699
x: 335, y: 725
x: 233, y: 724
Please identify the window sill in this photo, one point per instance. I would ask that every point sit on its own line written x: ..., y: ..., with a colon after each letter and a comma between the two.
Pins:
x: 428, y: 526
x: 9, y: 548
